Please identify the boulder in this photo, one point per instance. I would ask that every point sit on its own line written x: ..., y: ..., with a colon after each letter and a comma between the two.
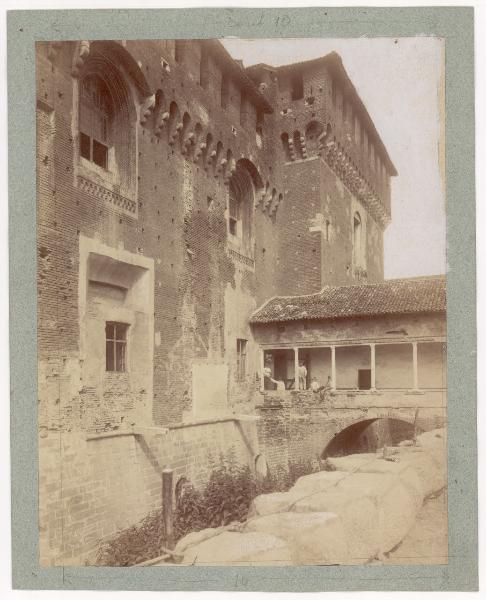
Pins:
x: 430, y: 466
x: 397, y: 504
x: 196, y: 537
x: 432, y: 439
x: 313, y: 538
x: 352, y: 462
x: 239, y: 549
x: 267, y: 504
x: 359, y: 517
x: 317, y: 482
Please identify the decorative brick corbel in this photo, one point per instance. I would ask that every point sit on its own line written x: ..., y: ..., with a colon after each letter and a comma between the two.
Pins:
x: 161, y: 122
x: 147, y: 108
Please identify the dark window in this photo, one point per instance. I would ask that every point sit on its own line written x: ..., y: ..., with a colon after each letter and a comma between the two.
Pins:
x: 85, y: 146
x: 116, y: 346
x: 297, y: 87
x: 364, y: 379
x: 240, y: 359
x: 100, y: 154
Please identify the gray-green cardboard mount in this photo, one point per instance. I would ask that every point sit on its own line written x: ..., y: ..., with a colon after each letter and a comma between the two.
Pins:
x: 453, y: 24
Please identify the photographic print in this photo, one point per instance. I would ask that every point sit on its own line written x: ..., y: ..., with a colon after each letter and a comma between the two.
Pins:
x: 242, y: 327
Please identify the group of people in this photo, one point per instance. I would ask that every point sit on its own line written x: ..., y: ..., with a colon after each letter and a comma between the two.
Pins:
x: 324, y: 391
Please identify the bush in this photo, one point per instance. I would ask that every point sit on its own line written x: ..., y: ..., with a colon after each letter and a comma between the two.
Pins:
x: 225, y: 498
x: 134, y: 545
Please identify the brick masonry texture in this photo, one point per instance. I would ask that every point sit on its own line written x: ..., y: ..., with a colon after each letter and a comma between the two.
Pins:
x: 190, y: 129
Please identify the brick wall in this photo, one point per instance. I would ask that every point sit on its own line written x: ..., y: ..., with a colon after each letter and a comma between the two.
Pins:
x: 180, y: 223
x: 91, y: 488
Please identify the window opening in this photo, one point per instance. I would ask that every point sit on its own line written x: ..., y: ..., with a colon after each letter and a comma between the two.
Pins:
x: 241, y: 359
x: 116, y: 346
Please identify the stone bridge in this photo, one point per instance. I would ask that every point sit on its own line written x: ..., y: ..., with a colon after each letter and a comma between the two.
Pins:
x: 298, y: 427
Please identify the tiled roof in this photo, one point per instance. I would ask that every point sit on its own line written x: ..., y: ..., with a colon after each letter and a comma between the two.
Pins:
x: 394, y: 296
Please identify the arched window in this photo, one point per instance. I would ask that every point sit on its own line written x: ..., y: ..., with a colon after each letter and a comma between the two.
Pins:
x: 240, y: 210
x: 357, y: 240
x: 107, y: 90
x: 96, y: 116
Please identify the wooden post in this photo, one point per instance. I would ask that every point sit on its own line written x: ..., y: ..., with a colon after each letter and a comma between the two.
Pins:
x: 167, y: 480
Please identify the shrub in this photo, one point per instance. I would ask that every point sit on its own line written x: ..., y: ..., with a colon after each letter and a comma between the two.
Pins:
x: 225, y: 498
x: 135, y: 544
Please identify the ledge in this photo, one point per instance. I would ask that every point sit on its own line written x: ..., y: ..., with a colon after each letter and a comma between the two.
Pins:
x: 213, y: 420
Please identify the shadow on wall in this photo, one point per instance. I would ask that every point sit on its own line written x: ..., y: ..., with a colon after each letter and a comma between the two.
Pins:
x: 368, y: 436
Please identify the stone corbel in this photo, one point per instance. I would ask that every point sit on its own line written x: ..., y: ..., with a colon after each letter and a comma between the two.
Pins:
x: 199, y: 151
x: 147, y: 108
x: 175, y: 133
x: 81, y: 53
x: 188, y: 142
x: 161, y: 122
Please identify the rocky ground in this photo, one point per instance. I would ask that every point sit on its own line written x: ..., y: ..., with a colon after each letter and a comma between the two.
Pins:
x: 383, y: 507
x: 426, y: 543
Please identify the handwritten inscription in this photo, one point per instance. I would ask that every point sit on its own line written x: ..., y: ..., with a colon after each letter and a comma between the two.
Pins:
x: 257, y: 20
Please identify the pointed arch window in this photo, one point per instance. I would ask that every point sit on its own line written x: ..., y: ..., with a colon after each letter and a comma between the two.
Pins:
x: 240, y: 211
x: 96, y: 115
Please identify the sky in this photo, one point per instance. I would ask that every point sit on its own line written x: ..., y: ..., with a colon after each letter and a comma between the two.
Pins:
x: 400, y: 81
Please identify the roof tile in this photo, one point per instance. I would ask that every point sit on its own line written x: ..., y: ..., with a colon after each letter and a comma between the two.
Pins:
x: 394, y: 296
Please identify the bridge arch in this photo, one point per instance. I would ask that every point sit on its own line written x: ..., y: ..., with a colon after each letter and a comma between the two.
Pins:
x: 368, y: 434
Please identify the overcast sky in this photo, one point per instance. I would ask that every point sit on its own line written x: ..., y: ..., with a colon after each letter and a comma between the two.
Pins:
x: 398, y: 81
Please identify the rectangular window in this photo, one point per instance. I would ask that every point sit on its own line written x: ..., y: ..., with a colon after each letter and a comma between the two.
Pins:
x: 116, y: 346
x: 85, y: 146
x: 240, y: 359
x: 100, y: 154
x: 364, y: 379
x: 94, y: 151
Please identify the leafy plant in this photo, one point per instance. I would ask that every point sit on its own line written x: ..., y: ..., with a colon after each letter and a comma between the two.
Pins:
x: 225, y: 498
x: 135, y: 544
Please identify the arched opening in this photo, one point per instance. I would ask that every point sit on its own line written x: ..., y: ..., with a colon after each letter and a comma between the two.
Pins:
x: 368, y: 436
x: 241, y: 198
x: 106, y: 121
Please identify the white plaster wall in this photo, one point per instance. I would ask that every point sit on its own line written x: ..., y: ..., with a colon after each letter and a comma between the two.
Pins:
x: 394, y: 366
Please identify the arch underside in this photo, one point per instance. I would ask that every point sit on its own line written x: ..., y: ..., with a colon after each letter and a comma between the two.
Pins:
x: 368, y: 435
